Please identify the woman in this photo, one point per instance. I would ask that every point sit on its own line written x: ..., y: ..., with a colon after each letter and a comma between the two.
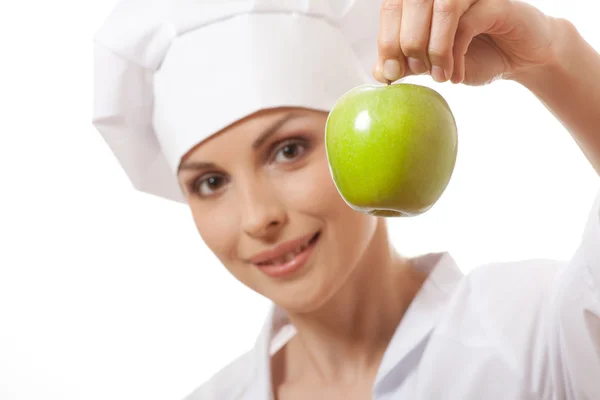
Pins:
x: 223, y: 106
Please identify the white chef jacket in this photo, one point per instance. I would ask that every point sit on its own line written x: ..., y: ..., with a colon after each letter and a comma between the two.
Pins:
x: 506, y: 331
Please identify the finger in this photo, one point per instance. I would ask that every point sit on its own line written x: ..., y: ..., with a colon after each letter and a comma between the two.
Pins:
x: 391, y: 63
x: 377, y: 74
x: 479, y: 18
x: 445, y: 18
x: 414, y: 33
x: 391, y: 70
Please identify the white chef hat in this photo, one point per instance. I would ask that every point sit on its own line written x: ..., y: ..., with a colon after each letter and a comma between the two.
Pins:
x: 171, y: 73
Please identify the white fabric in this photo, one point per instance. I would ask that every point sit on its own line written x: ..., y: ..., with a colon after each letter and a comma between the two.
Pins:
x: 514, y: 330
x: 171, y: 73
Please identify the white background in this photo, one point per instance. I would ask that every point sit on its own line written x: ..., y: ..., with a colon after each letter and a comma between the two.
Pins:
x: 107, y: 293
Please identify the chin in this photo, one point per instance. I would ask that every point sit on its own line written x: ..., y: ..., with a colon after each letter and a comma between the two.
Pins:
x: 302, y: 303
x: 305, y: 294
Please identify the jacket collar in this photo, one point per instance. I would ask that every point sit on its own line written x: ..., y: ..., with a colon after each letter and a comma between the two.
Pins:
x: 411, y: 336
x: 406, y: 345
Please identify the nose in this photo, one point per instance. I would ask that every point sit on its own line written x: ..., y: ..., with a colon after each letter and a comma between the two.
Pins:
x: 263, y: 214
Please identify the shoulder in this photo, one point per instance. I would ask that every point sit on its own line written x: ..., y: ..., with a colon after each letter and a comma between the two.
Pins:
x: 500, y: 292
x: 505, y: 296
x: 513, y: 286
x: 510, y: 297
x: 513, y: 281
x: 508, y: 301
x: 229, y: 383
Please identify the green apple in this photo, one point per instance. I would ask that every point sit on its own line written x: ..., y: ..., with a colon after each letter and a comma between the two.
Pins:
x: 391, y: 148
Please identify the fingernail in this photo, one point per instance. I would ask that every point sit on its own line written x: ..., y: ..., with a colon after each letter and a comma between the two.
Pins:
x: 391, y: 70
x: 438, y: 74
x: 417, y: 66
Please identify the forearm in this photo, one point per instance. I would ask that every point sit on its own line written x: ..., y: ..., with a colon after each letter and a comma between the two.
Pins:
x: 569, y: 86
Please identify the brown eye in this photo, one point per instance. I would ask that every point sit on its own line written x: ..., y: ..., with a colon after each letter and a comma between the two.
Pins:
x: 209, y: 185
x: 289, y: 152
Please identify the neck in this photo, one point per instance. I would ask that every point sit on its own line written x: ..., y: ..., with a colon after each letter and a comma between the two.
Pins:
x: 345, y: 339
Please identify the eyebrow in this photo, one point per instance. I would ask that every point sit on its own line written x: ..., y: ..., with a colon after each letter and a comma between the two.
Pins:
x: 271, y: 130
x: 264, y: 136
x: 196, y: 165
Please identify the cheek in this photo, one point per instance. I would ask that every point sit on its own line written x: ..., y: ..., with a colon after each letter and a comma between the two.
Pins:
x: 317, y: 191
x: 350, y: 230
x: 217, y: 229
x: 313, y: 192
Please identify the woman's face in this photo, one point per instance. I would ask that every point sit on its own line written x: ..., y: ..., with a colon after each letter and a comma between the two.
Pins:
x: 263, y: 185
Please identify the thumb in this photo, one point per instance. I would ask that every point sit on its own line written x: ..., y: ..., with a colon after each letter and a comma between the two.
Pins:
x: 391, y: 63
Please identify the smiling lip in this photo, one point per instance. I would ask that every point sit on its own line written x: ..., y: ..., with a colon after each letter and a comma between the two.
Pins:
x: 281, y: 250
x: 288, y: 262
